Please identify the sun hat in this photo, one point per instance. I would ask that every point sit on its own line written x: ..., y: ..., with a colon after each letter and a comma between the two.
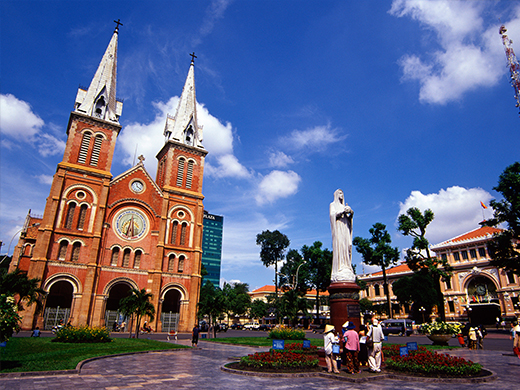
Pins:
x: 345, y: 325
x: 351, y: 325
x: 328, y: 328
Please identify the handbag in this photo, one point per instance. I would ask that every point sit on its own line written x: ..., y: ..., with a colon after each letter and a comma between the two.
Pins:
x: 335, y: 348
x: 370, y: 343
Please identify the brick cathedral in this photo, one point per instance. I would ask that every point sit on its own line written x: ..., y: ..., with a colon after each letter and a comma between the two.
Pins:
x: 101, y: 235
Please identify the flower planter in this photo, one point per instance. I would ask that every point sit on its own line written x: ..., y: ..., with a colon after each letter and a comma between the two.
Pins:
x: 440, y: 339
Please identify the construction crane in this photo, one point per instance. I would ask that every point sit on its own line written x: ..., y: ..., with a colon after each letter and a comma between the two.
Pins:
x: 512, y: 64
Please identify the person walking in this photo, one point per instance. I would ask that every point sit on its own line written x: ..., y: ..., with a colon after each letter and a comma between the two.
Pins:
x: 329, y: 338
x: 195, y: 335
x: 376, y: 336
x: 515, y: 335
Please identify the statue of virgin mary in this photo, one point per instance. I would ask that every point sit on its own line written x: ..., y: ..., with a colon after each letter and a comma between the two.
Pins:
x: 341, y: 216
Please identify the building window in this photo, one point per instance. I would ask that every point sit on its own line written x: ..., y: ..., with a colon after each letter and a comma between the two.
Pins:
x: 137, y: 259
x: 448, y: 283
x: 473, y: 254
x: 444, y: 257
x: 82, y: 215
x: 180, y: 266
x: 376, y: 290
x: 510, y: 277
x: 482, y: 252
x: 189, y: 175
x: 126, y: 257
x: 75, y: 251
x: 451, y: 306
x: 63, y: 250
x: 70, y: 215
x: 171, y: 263
x: 456, y: 256
x: 184, y: 227
x: 95, y: 151
x: 464, y: 255
x: 180, y: 172
x: 83, y: 150
x: 175, y: 227
x: 115, y: 256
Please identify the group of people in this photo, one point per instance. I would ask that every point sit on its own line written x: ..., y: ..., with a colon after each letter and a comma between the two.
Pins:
x: 358, y: 348
x: 474, y: 336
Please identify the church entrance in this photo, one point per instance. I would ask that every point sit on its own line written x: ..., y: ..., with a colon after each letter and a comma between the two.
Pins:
x: 112, y: 314
x: 58, y: 305
x: 170, y: 311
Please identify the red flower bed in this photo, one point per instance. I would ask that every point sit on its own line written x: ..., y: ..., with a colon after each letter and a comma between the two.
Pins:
x: 431, y: 363
x: 275, y: 359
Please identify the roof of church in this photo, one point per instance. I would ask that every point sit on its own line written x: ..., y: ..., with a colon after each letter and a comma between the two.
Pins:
x: 480, y: 234
x: 269, y: 288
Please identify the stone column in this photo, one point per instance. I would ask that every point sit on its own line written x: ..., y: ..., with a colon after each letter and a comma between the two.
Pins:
x: 344, y: 304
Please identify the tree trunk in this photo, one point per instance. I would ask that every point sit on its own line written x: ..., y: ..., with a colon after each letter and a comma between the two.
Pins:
x: 387, y: 293
x: 317, y: 306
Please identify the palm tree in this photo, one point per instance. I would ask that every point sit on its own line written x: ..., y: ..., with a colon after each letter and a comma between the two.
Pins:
x: 137, y: 303
x: 25, y: 290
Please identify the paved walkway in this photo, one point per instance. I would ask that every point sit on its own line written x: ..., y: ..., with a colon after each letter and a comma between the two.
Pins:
x: 200, y: 369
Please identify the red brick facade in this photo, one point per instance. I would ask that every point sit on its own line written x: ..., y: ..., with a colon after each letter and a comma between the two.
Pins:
x: 100, y: 236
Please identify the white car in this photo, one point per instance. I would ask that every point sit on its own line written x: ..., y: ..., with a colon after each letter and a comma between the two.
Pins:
x: 252, y: 326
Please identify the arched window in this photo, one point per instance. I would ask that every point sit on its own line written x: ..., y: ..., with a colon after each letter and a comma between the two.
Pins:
x: 115, y: 256
x: 175, y: 227
x: 76, y: 248
x: 137, y: 259
x: 189, y: 175
x: 62, y: 253
x: 95, y: 151
x: 184, y: 228
x: 70, y: 215
x: 82, y: 215
x: 180, y: 172
x: 126, y: 257
x: 83, y: 150
x: 180, y: 266
x: 376, y: 290
x: 171, y: 263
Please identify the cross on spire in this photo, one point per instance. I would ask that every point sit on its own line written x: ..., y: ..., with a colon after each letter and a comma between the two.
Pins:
x: 141, y: 159
x: 118, y: 23
x: 193, y: 56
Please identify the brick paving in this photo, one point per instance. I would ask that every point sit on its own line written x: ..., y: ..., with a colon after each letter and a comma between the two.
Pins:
x: 200, y: 369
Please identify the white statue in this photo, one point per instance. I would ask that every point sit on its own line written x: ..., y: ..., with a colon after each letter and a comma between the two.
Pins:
x: 341, y: 216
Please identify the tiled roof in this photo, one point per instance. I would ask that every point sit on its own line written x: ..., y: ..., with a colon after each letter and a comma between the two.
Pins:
x: 394, y: 270
x: 270, y: 289
x: 481, y: 233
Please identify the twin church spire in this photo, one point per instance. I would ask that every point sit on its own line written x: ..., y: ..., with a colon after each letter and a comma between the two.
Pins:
x: 99, y: 100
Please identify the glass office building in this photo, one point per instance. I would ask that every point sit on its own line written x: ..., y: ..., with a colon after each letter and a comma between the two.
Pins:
x: 212, y: 246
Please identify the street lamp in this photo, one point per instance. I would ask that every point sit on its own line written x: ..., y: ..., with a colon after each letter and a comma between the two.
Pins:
x: 295, y: 278
x: 422, y: 310
x: 468, y: 310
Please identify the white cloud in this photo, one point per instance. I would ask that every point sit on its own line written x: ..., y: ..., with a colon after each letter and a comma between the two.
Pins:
x: 17, y: 119
x: 468, y: 57
x: 315, y: 139
x: 44, y: 179
x: 457, y: 210
x: 149, y: 138
x: 279, y: 159
x: 49, y: 145
x: 277, y: 184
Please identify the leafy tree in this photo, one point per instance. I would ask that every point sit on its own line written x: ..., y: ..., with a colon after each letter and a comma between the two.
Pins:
x: 258, y: 309
x: 504, y: 248
x: 319, y: 264
x: 294, y: 272
x: 9, y: 318
x: 292, y: 303
x: 212, y: 302
x: 137, y: 304
x: 365, y: 305
x: 377, y: 251
x: 418, y: 290
x: 418, y: 257
x: 237, y: 301
x: 273, y: 246
x: 25, y: 290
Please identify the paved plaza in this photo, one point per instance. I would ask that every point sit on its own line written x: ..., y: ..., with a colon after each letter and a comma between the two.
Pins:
x: 200, y: 369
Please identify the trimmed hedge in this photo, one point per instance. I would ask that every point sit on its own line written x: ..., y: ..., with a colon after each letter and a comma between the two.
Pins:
x: 82, y: 334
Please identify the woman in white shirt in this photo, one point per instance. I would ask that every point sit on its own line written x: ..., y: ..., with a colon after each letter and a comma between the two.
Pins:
x: 329, y: 338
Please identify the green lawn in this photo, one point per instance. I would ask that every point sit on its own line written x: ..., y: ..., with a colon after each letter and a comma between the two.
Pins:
x: 41, y: 354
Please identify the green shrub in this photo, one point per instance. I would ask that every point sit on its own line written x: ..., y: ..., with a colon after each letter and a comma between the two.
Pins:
x: 284, y: 333
x: 82, y: 334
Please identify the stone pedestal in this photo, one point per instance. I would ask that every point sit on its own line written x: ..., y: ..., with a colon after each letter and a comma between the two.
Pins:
x: 344, y: 304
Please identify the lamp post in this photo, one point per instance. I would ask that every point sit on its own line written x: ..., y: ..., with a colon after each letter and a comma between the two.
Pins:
x: 422, y: 310
x: 468, y: 310
x: 294, y: 284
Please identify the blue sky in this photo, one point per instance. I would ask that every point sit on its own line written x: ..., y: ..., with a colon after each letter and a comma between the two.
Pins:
x: 398, y: 103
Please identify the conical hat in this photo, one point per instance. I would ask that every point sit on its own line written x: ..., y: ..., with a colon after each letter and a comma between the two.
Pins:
x: 328, y: 328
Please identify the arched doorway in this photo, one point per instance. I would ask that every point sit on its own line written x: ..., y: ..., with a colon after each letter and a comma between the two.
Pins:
x: 170, y: 311
x: 117, y: 292
x: 58, y: 304
x: 483, y: 304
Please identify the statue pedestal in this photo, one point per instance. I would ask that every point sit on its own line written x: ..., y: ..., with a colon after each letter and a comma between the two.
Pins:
x: 344, y: 304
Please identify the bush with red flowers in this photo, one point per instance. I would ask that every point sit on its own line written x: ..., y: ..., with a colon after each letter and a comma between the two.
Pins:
x: 279, y: 360
x: 425, y: 362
